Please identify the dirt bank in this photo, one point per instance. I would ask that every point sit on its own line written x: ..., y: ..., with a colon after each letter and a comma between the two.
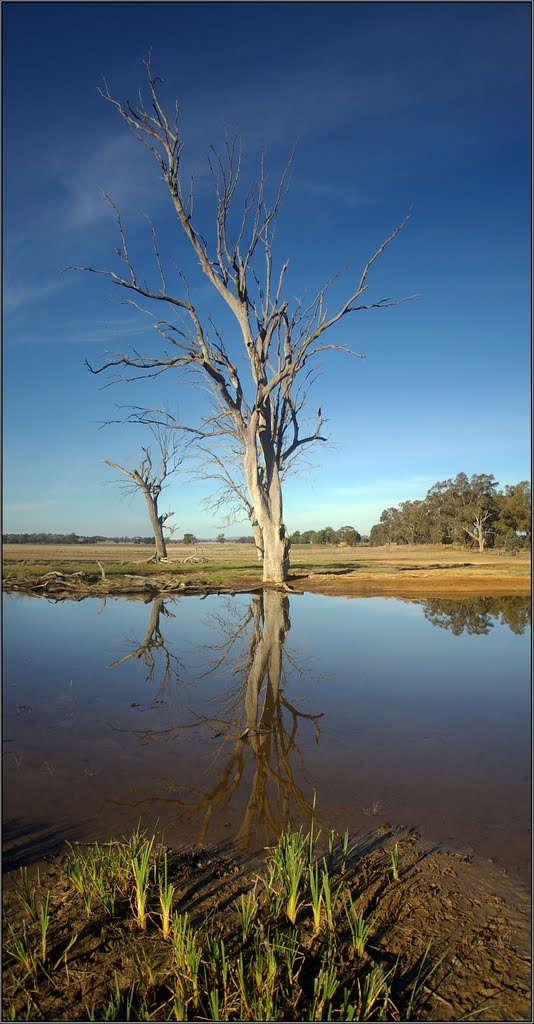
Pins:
x: 475, y: 919
x: 415, y: 582
x: 109, y: 570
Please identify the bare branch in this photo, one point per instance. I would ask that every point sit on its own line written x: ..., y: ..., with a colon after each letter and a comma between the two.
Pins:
x: 258, y: 396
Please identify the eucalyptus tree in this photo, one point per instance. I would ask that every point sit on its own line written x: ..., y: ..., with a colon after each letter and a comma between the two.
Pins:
x: 260, y: 402
x: 515, y: 512
x: 467, y: 505
x: 150, y: 475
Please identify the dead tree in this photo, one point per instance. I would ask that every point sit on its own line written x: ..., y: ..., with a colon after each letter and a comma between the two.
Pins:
x: 260, y: 402
x: 150, y: 479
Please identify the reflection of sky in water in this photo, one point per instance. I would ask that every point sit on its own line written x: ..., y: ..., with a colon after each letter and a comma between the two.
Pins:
x: 389, y: 649
x: 430, y: 724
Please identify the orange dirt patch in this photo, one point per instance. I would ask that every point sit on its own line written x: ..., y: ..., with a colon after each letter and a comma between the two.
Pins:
x: 417, y: 583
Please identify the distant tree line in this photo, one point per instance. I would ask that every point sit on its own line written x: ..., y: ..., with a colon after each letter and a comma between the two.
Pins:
x: 470, y: 512
x: 345, y: 535
x: 69, y: 538
x: 75, y: 538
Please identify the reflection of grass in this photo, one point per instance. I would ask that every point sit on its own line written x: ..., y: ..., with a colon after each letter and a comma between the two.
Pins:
x: 283, y: 952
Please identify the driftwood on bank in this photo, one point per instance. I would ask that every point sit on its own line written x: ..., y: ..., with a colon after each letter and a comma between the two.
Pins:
x: 77, y: 585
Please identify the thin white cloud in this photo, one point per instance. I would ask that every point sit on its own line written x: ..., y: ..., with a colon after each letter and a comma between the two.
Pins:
x: 19, y: 295
x: 111, y: 166
x: 29, y: 506
x: 108, y: 333
x: 348, y: 196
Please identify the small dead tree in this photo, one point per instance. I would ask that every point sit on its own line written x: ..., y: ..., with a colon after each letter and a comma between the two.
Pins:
x: 260, y: 402
x: 150, y: 476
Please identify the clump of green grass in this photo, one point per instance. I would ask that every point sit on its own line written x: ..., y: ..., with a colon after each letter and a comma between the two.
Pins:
x: 360, y: 929
x: 281, y: 952
x: 166, y: 894
x: 27, y: 894
x: 141, y: 869
x: 287, y: 872
x: 395, y: 862
x: 18, y: 947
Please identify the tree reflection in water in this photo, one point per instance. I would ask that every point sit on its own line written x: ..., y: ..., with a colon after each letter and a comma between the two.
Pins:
x: 255, y: 721
x: 476, y: 616
x: 257, y: 760
x: 155, y: 653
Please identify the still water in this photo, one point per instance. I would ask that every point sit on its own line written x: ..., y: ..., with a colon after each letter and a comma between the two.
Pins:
x: 219, y: 719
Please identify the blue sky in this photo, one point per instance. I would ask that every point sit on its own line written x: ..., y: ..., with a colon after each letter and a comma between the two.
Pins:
x: 389, y: 105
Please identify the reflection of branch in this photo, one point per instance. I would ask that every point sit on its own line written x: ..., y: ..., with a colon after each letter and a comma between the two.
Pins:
x: 256, y: 720
x: 153, y: 645
x: 266, y: 736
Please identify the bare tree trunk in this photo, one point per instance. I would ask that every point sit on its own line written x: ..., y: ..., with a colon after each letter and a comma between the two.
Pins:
x: 477, y: 534
x: 151, y: 480
x: 258, y: 539
x: 157, y: 524
x: 275, y: 536
x: 276, y: 557
x: 267, y: 503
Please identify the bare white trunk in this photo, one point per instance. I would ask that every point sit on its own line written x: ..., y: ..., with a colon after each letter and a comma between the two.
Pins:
x: 152, y: 503
x: 258, y: 540
x: 276, y: 552
x: 267, y: 502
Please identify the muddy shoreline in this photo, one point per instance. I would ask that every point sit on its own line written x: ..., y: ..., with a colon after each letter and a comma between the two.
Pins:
x: 475, y: 917
x: 475, y: 913
x: 404, y: 583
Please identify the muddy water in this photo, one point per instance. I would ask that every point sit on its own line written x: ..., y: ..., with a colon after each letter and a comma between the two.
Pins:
x: 220, y: 718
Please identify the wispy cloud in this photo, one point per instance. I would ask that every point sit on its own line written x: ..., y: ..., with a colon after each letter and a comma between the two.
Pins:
x: 21, y: 294
x: 29, y: 506
x: 109, y: 333
x: 348, y: 196
x: 109, y: 167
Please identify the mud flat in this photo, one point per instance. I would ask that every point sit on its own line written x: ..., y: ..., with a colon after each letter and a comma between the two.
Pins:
x: 464, y: 921
x: 109, y: 570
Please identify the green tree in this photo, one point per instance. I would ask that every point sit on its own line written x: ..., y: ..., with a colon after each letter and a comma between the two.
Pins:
x: 324, y: 536
x: 515, y: 514
x: 348, y: 535
x: 467, y: 508
x: 378, y: 535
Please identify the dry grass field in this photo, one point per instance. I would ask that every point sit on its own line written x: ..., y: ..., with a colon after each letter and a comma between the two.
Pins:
x: 244, y: 554
x: 409, y: 570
